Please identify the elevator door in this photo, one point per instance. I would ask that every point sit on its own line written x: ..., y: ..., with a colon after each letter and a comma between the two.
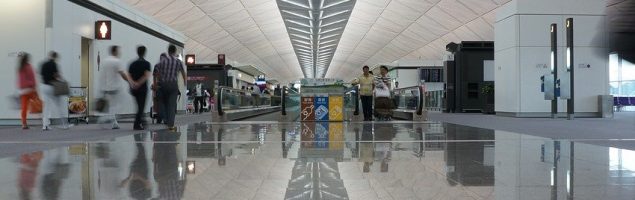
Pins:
x: 86, y: 75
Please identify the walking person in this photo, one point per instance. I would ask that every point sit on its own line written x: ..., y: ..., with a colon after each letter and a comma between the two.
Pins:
x: 52, y: 102
x: 383, y: 104
x: 111, y: 76
x: 140, y: 72
x: 26, y: 84
x: 366, y: 88
x: 199, y: 97
x: 160, y: 115
x: 168, y: 86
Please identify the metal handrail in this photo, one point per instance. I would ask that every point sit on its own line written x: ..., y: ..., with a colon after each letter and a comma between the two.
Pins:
x: 421, y: 99
x: 407, y: 88
x: 219, y: 100
x: 422, y: 92
x: 356, y: 112
x: 283, y: 95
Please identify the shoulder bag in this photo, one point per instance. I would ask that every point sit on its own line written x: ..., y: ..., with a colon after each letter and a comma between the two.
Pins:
x: 60, y: 87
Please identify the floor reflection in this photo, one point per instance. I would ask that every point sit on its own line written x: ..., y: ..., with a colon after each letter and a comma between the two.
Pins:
x: 323, y: 161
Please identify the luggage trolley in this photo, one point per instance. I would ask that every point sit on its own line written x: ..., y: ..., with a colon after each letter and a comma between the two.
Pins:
x: 78, y: 105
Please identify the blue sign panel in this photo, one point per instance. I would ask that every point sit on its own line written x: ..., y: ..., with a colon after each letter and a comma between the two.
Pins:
x: 321, y: 108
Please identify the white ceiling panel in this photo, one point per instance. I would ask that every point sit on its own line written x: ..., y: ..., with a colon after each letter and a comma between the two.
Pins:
x: 478, y: 26
x: 465, y: 34
x: 254, y: 32
x: 457, y: 10
x: 444, y: 19
x: 480, y: 7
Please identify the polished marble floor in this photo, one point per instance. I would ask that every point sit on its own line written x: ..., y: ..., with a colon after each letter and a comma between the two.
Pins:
x: 366, y: 161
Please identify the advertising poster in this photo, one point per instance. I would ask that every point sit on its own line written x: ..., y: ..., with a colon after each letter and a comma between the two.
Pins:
x: 322, y: 108
x: 307, y: 112
x: 336, y: 136
x: 307, y: 135
x: 336, y: 108
x: 321, y: 135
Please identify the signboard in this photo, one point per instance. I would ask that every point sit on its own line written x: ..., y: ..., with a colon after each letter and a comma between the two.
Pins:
x: 336, y: 108
x: 221, y: 59
x: 321, y: 135
x: 322, y: 108
x: 103, y: 29
x: 77, y: 102
x: 321, y: 82
x: 307, y: 112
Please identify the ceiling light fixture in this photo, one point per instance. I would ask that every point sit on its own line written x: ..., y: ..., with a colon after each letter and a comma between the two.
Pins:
x: 299, y: 23
x: 300, y: 36
x: 329, y: 36
x: 335, y: 14
x: 296, y: 14
x: 331, y: 30
x: 296, y: 3
x: 299, y: 30
x: 335, y: 4
x: 331, y: 23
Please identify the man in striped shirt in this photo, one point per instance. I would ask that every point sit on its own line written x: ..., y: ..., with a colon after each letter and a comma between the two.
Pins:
x: 167, y: 78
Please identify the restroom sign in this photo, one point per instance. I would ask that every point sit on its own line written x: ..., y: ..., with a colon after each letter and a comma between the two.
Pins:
x: 103, y: 30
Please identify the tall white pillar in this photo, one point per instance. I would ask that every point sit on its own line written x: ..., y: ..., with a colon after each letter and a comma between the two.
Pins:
x: 522, y: 55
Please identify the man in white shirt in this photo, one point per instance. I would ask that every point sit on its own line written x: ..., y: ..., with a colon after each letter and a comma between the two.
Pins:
x: 111, y: 74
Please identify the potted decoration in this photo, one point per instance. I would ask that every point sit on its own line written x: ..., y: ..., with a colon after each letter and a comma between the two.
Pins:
x: 488, y: 92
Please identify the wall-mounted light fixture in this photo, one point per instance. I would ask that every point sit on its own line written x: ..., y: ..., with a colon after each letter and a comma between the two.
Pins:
x: 190, y: 59
x: 103, y: 30
x: 190, y: 167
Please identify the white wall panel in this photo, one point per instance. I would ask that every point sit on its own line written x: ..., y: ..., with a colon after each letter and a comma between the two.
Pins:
x: 507, y: 85
x: 534, y: 31
x: 506, y: 34
x: 24, y: 35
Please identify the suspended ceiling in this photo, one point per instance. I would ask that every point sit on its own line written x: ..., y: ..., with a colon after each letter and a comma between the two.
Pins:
x: 254, y: 32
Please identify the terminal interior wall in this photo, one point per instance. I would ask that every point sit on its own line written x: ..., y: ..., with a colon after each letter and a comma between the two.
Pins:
x: 69, y: 24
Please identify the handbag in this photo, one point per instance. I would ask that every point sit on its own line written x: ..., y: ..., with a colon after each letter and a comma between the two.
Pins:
x: 101, y: 104
x: 382, y: 92
x: 36, y: 105
x: 60, y: 87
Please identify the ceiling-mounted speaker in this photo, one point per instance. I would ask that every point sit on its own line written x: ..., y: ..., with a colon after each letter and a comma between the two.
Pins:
x: 452, y: 47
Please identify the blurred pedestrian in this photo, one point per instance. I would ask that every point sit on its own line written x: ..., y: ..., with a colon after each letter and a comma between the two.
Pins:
x: 168, y: 86
x: 199, y: 97
x: 112, y: 72
x: 26, y: 84
x: 140, y: 72
x: 160, y: 114
x: 52, y: 103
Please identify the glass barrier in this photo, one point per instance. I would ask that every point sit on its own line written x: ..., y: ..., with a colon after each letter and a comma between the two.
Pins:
x: 351, y: 100
x: 408, y: 99
x: 434, y: 100
x: 235, y: 99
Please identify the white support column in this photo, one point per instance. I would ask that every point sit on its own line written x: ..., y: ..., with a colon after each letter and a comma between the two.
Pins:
x: 522, y: 48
